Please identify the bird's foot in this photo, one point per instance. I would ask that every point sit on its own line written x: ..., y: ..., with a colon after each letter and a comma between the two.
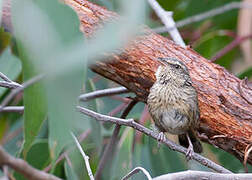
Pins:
x: 190, y: 150
x: 189, y: 153
x: 161, y: 138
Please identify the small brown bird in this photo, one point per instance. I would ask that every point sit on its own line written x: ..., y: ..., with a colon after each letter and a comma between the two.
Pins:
x: 173, y: 103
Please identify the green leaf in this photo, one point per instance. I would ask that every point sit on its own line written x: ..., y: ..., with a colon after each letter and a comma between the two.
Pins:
x: 10, y: 65
x: 228, y: 161
x: 5, y: 39
x: 213, y: 42
x: 222, y: 21
x: 62, y: 100
x: 70, y: 174
x: 13, y: 145
x: 142, y: 159
x: 77, y: 162
x: 247, y: 73
x: 95, y: 125
x: 3, y: 126
x: 43, y: 28
x: 34, y: 102
x: 161, y: 158
x: 34, y: 96
x: 122, y: 163
x: 37, y: 156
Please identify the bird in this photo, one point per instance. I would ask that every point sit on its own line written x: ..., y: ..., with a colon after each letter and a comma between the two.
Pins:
x: 173, y: 104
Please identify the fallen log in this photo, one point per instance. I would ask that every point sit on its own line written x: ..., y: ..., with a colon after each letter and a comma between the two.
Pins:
x: 225, y: 101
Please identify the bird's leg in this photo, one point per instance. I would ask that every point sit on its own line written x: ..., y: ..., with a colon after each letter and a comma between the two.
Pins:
x: 161, y: 138
x: 190, y: 150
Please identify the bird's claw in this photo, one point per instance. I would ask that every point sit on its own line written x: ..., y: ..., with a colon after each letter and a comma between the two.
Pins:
x: 189, y: 152
x: 161, y: 138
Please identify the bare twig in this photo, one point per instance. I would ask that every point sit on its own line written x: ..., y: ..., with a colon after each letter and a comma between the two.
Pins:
x: 5, y: 172
x: 14, y: 92
x: 136, y: 170
x: 236, y: 42
x: 81, y: 138
x: 11, y: 135
x: 86, y: 158
x: 144, y: 117
x: 18, y: 109
x: 102, y: 93
x: 129, y: 108
x: 188, y: 175
x: 10, y: 85
x: 118, y: 109
x: 7, y: 83
x: 23, y: 167
x: 205, y: 15
x: 173, y: 146
x: 166, y: 18
x: 113, y: 141
x: 107, y: 151
x: 4, y: 77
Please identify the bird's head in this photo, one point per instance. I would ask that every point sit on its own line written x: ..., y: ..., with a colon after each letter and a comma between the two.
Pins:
x: 171, y: 70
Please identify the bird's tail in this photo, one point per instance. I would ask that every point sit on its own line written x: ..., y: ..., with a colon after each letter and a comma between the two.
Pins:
x: 197, y: 147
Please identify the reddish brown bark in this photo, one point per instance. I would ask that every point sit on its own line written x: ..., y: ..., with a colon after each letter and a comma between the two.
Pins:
x: 225, y: 101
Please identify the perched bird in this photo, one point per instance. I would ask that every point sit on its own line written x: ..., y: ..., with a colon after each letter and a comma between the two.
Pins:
x: 173, y: 103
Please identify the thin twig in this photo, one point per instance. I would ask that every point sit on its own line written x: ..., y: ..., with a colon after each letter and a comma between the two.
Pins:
x: 102, y: 93
x: 135, y: 171
x: 11, y: 135
x: 129, y: 108
x: 5, y: 172
x: 118, y: 109
x: 10, y: 85
x: 81, y: 138
x: 86, y: 158
x: 166, y: 18
x: 4, y: 77
x: 188, y: 175
x: 17, y: 109
x: 144, y: 117
x: 205, y: 15
x: 173, y: 146
x: 107, y: 151
x: 14, y: 92
x: 113, y: 141
x: 23, y: 167
x: 236, y: 42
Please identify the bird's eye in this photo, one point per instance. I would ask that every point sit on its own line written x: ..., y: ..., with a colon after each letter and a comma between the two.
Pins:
x: 177, y: 66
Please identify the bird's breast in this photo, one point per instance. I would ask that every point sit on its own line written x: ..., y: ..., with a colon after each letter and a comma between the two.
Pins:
x: 163, y: 99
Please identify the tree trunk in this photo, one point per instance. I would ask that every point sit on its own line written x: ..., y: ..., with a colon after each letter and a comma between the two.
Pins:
x: 225, y: 101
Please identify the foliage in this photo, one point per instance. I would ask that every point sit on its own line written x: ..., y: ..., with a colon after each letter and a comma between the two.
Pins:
x: 47, y: 40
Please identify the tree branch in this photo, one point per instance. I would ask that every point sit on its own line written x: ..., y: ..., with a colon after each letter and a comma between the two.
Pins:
x: 17, y: 109
x: 136, y: 170
x: 10, y: 85
x: 189, y: 175
x: 102, y: 93
x: 173, y: 146
x: 224, y: 100
x: 205, y: 15
x: 108, y: 152
x: 85, y: 157
x: 166, y: 18
x: 7, y: 83
x: 14, y: 92
x: 236, y: 42
x: 23, y: 167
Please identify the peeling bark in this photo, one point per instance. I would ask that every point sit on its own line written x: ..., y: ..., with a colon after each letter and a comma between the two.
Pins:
x: 225, y: 101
